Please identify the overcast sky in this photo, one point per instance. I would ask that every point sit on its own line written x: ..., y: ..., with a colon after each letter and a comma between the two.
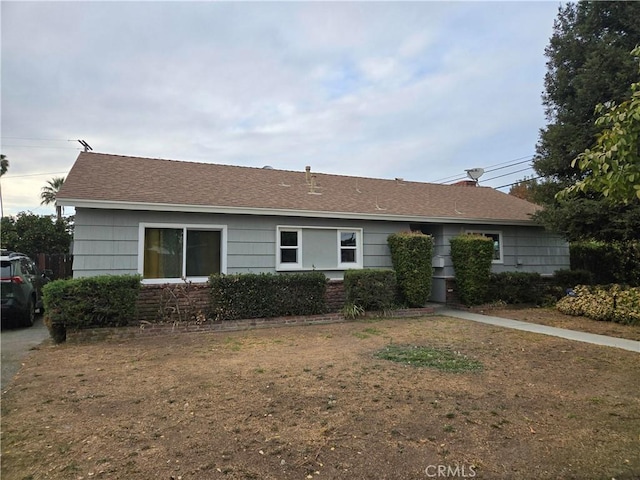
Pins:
x: 420, y: 90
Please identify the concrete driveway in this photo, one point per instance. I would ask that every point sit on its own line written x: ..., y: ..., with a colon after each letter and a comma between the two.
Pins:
x: 16, y: 344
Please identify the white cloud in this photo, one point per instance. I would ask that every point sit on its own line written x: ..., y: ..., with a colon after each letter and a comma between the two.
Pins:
x: 421, y: 90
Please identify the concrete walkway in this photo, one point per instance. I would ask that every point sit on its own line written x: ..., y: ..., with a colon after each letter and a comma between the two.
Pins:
x: 625, y: 344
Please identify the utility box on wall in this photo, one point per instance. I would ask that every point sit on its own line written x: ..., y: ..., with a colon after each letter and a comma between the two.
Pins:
x: 437, y: 261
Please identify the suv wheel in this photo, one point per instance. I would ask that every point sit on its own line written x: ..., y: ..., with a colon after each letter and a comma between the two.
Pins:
x: 30, y: 315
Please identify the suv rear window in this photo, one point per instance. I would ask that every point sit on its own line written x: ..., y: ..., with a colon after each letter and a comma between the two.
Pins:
x: 6, y: 269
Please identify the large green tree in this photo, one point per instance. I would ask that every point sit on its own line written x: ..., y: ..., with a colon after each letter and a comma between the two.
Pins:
x: 612, y: 166
x: 588, y: 64
x: 32, y: 234
x: 50, y: 192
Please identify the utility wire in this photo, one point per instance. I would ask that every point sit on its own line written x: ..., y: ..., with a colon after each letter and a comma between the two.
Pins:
x: 507, y: 166
x: 519, y: 181
x: 496, y: 169
x: 510, y: 162
x: 33, y: 174
x: 497, y: 176
x: 39, y: 139
x: 507, y: 174
x: 41, y: 146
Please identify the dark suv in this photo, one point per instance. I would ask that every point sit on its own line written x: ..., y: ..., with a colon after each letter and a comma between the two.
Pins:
x: 21, y: 288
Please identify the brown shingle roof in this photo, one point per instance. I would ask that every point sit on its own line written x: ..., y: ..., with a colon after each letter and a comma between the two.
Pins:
x: 113, y: 181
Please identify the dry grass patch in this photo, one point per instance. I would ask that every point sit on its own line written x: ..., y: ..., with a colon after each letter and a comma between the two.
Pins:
x: 307, y: 402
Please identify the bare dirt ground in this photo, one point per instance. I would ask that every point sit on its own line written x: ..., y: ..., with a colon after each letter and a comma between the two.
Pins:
x: 314, y: 402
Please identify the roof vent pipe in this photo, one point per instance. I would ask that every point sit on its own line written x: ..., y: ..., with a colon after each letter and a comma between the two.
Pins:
x: 307, y: 174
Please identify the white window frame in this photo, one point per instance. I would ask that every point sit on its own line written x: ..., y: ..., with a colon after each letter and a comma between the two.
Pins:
x: 284, y: 266
x: 340, y: 266
x: 500, y: 241
x: 185, y: 228
x: 358, y: 249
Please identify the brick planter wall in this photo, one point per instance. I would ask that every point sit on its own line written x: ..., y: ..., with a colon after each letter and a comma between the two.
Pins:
x: 181, y: 300
x: 147, y: 329
x: 335, y: 295
x: 177, y: 301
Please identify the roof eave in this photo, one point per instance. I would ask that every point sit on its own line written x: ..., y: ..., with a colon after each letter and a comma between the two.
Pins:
x: 216, y: 209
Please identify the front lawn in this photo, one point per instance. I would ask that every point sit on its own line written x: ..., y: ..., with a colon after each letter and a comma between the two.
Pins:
x: 319, y: 402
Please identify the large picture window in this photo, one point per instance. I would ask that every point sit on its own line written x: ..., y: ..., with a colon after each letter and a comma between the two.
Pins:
x: 318, y: 248
x: 173, y: 252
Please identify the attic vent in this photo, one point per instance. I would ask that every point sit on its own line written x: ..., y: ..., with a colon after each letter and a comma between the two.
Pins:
x: 267, y: 167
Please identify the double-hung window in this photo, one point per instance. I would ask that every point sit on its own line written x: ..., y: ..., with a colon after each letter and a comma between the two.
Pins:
x: 289, y: 251
x: 169, y: 252
x: 318, y: 248
x: 496, y: 237
x: 348, y: 244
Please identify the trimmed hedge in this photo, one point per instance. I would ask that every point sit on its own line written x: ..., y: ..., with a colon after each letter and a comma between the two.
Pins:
x: 515, y: 287
x: 472, y: 256
x: 102, y: 301
x: 611, y: 303
x: 570, y: 278
x: 370, y: 289
x: 411, y: 255
x: 611, y: 262
x: 267, y: 295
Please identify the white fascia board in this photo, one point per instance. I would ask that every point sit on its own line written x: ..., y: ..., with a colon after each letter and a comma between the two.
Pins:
x: 172, y: 207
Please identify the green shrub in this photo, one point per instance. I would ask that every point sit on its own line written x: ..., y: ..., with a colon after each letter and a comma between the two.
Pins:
x: 267, y: 295
x: 631, y: 263
x: 515, y: 288
x: 103, y: 301
x: 570, y: 278
x: 351, y: 311
x: 609, y: 262
x: 370, y: 289
x: 627, y: 309
x: 472, y: 256
x: 411, y: 255
x: 607, y: 303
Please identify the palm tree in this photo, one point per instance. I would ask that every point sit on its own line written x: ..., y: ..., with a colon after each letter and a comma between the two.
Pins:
x: 49, y: 193
x: 4, y: 166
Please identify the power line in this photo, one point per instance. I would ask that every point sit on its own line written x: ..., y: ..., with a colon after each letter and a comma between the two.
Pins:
x: 41, y: 146
x: 452, y: 178
x: 507, y: 166
x: 519, y: 181
x: 33, y: 174
x: 507, y: 174
x: 39, y: 139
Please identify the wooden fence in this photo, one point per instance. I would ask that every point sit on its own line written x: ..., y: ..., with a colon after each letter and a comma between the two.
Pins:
x: 61, y: 264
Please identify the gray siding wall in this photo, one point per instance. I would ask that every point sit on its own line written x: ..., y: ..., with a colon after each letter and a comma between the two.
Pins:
x: 106, y: 241
x: 524, y: 249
